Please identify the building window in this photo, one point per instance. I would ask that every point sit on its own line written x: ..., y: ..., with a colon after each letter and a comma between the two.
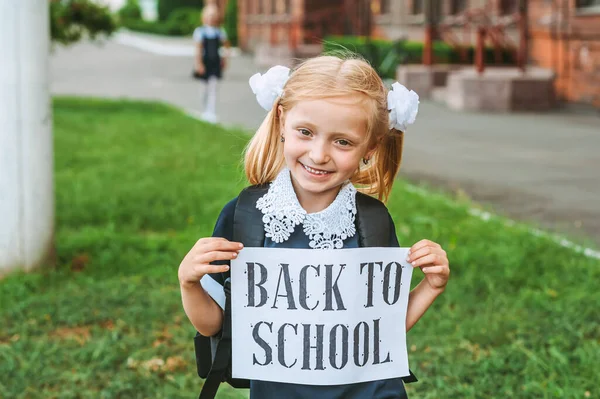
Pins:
x: 417, y: 7
x: 384, y: 7
x: 279, y: 7
x: 457, y: 6
x: 508, y: 6
x: 588, y: 3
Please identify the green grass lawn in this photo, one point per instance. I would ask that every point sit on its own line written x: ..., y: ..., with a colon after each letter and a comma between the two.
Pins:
x: 137, y: 184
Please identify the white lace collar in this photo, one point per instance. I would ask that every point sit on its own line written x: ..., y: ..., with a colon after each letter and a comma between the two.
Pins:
x: 326, y: 229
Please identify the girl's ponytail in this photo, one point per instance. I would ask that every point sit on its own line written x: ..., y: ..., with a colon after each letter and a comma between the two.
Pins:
x: 388, y: 161
x: 263, y: 159
x: 377, y: 177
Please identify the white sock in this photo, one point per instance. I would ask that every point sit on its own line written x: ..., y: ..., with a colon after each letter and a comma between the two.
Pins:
x: 203, y: 96
x: 211, y: 96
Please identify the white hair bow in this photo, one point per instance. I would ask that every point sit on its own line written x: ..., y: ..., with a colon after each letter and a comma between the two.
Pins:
x: 269, y: 86
x: 403, y: 105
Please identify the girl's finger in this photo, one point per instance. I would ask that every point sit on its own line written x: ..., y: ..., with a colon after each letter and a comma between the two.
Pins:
x: 207, y: 240
x: 212, y: 256
x: 431, y: 259
x: 419, y: 253
x: 418, y: 245
x: 423, y: 244
x: 412, y: 256
x: 443, y: 270
x: 202, y: 270
x: 219, y: 245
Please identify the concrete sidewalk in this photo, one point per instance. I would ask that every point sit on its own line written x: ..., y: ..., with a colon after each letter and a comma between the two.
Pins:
x: 543, y: 168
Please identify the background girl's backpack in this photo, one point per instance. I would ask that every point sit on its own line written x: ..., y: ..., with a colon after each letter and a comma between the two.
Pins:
x: 213, y: 354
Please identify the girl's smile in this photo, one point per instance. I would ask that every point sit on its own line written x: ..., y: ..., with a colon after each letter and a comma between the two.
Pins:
x: 315, y: 172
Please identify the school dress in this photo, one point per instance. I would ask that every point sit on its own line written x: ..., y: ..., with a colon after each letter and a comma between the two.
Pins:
x: 298, y: 238
x: 211, y: 38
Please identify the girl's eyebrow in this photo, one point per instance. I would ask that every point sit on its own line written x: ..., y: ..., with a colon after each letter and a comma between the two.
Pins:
x: 306, y: 123
x: 348, y: 135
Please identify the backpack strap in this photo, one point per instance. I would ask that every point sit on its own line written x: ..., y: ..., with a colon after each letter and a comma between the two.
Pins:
x: 247, y: 229
x: 220, y: 365
x: 247, y: 221
x: 372, y: 222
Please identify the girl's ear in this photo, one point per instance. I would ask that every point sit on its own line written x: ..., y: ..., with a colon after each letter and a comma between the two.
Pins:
x: 371, y: 150
x: 280, y: 117
x: 369, y: 154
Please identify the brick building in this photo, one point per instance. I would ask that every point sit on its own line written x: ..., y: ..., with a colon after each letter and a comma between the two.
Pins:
x: 405, y: 18
x: 299, y: 25
x: 565, y: 37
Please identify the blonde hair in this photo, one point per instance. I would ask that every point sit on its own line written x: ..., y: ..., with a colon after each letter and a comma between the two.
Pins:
x: 329, y: 77
x: 210, y: 10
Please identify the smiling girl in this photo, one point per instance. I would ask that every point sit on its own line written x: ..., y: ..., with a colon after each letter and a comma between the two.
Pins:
x: 333, y: 133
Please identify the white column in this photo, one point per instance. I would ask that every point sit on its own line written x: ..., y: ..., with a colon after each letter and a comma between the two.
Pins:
x: 26, y: 151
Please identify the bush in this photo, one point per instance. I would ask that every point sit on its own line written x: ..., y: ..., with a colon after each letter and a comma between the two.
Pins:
x: 70, y: 20
x: 130, y: 11
x: 231, y: 22
x: 181, y: 22
x: 185, y: 19
x: 386, y: 55
x: 166, y: 7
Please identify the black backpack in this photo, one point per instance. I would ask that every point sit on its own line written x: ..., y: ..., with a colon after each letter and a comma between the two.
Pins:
x: 213, y: 354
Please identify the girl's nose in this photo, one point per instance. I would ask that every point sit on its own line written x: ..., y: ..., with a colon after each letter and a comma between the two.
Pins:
x: 319, y: 154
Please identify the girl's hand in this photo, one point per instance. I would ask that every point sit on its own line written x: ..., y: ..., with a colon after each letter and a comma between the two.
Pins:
x: 200, y: 69
x: 197, y: 262
x: 432, y: 260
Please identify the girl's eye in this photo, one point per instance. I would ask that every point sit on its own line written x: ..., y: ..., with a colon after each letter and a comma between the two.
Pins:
x: 304, y: 132
x: 343, y: 143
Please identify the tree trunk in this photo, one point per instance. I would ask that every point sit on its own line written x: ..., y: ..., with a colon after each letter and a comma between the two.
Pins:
x: 26, y: 151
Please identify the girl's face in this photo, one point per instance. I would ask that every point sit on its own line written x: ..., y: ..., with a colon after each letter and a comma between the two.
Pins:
x: 209, y: 18
x: 325, y: 141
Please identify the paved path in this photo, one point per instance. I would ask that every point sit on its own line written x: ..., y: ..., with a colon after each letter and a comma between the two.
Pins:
x: 543, y: 168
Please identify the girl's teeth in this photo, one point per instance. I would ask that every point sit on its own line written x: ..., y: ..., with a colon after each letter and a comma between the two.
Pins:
x: 318, y: 172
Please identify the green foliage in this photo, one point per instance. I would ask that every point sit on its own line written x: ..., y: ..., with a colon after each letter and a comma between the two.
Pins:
x: 186, y: 19
x: 385, y: 55
x: 231, y: 21
x: 130, y: 11
x: 181, y: 22
x: 138, y: 183
x: 166, y: 7
x: 70, y: 20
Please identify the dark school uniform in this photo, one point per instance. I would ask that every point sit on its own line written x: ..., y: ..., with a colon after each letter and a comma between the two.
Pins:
x: 213, y: 284
x: 211, y: 38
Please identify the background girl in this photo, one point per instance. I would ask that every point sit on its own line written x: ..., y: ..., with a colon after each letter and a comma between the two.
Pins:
x: 209, y: 39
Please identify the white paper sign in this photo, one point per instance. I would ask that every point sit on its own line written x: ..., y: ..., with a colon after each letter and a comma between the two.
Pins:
x: 320, y: 317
